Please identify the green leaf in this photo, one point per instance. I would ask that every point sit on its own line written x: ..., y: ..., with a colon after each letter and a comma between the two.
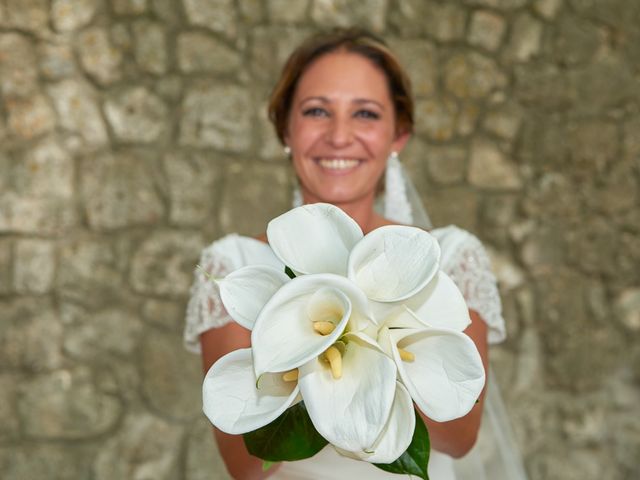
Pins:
x: 266, y: 465
x: 289, y: 437
x: 289, y: 272
x: 415, y: 459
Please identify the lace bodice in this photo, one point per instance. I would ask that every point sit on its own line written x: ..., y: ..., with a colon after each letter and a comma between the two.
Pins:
x: 464, y: 259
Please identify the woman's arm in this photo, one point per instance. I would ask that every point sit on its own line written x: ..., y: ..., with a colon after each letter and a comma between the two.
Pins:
x: 215, y: 343
x: 458, y: 436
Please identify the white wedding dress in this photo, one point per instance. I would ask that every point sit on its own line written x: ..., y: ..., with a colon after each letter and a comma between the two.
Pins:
x: 463, y: 258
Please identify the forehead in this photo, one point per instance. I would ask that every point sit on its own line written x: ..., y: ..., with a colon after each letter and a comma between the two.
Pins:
x: 343, y: 74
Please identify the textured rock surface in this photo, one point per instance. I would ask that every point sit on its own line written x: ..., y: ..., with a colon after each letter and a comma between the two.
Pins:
x: 133, y: 133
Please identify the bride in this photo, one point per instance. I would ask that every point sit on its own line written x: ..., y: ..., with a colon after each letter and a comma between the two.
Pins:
x: 343, y: 111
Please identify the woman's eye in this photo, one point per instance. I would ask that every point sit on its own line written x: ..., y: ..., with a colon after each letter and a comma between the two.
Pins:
x: 315, y: 112
x: 367, y: 114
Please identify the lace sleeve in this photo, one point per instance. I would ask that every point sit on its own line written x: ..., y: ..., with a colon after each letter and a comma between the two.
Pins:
x: 205, y: 309
x: 466, y: 261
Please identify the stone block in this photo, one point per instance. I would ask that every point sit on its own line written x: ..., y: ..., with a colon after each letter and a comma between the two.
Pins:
x: 164, y: 314
x: 504, y: 121
x: 18, y: 65
x: 498, y: 4
x: 543, y: 248
x: 593, y: 144
x: 150, y: 46
x: 200, y: 52
x: 604, y: 84
x: 631, y: 143
x: 129, y: 7
x: 525, y: 41
x: 90, y: 272
x: 9, y: 408
x: 71, y: 15
x: 445, y: 21
x: 164, y: 262
x: 169, y: 11
x: 137, y: 116
x: 446, y: 164
x: 436, y: 117
x: 252, y: 11
x: 6, y: 266
x: 66, y: 404
x: 252, y: 195
x: 53, y: 462
x: 30, y: 117
x: 204, y: 461
x: 407, y: 17
x: 472, y: 75
x: 284, y: 11
x: 29, y: 15
x: 453, y: 206
x: 486, y: 30
x: 217, y: 15
x: 270, y: 146
x: 98, y: 56
x: 419, y: 58
x: 34, y: 266
x: 144, y: 447
x: 576, y: 40
x: 171, y: 376
x: 97, y: 334
x: 36, y: 215
x: 47, y: 160
x: 30, y: 334
x: 367, y: 13
x: 216, y: 116
x: 570, y: 358
x: 78, y: 111
x: 119, y: 190
x: 489, y: 168
x: 56, y: 61
x: 194, y: 182
x: 544, y: 86
x: 547, y: 8
x: 270, y: 47
x: 467, y: 120
x: 170, y: 87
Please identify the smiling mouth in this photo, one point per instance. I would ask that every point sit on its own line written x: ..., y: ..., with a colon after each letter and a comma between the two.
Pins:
x: 338, y: 164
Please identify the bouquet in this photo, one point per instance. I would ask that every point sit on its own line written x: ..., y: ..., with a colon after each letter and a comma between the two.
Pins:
x: 353, y: 332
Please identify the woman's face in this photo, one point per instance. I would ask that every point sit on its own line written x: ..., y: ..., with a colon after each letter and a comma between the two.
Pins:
x: 342, y: 128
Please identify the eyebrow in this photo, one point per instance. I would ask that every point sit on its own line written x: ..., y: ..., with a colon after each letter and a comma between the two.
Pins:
x: 359, y: 101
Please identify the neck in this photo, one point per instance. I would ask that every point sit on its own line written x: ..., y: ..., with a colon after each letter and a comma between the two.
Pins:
x: 361, y: 210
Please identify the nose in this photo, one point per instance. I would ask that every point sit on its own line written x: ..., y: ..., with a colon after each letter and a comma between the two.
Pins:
x: 339, y: 132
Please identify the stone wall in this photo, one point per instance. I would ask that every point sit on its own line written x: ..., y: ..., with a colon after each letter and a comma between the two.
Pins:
x: 133, y: 132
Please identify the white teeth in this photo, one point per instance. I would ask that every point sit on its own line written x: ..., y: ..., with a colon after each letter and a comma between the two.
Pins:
x: 338, y: 163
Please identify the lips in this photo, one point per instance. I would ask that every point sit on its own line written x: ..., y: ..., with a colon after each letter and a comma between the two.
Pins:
x: 338, y: 164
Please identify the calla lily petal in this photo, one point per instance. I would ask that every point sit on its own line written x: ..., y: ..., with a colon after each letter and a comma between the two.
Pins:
x: 245, y: 291
x: 314, y: 238
x: 350, y: 412
x: 397, y: 433
x: 283, y: 336
x: 394, y: 262
x: 440, y: 304
x: 446, y: 377
x: 231, y: 400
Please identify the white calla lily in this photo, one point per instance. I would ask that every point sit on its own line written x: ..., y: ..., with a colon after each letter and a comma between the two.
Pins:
x: 231, y: 400
x: 394, y: 262
x: 441, y: 304
x: 287, y: 334
x: 314, y: 238
x: 245, y: 291
x: 441, y: 369
x: 397, y: 434
x: 350, y: 412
